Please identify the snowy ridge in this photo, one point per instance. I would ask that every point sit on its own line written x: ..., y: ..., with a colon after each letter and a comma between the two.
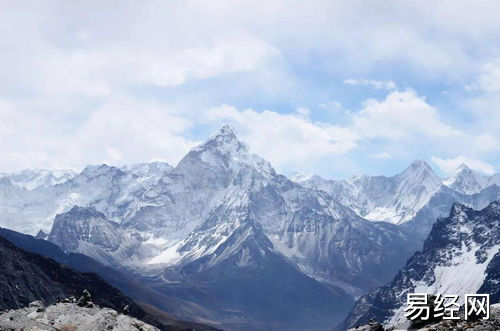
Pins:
x: 31, y: 179
x: 397, y: 199
x: 468, y: 181
x: 182, y: 213
x: 454, y: 261
x: 391, y: 199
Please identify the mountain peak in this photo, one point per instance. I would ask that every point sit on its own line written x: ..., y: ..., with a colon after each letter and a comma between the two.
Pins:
x: 419, y: 163
x: 462, y: 167
x: 84, y: 212
x: 73, y: 230
x: 223, y: 151
x: 418, y: 168
x: 466, y: 180
x: 225, y: 140
x: 225, y: 131
x: 91, y: 171
x: 300, y: 177
x: 458, y: 209
x: 41, y: 235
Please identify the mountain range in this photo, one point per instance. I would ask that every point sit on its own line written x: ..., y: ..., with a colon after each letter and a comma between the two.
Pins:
x: 224, y: 231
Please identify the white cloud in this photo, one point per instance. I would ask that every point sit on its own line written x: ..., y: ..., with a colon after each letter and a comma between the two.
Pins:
x: 167, y: 43
x: 99, y: 72
x: 330, y: 105
x: 489, y: 78
x: 53, y: 48
x: 377, y: 84
x: 119, y: 131
x: 123, y: 131
x: 486, y: 142
x: 402, y: 114
x: 382, y: 155
x: 450, y: 165
x: 285, y: 139
x: 403, y: 117
x: 64, y: 69
x: 302, y: 111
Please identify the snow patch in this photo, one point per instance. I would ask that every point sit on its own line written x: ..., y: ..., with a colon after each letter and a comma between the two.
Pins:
x: 168, y: 256
x: 462, y: 275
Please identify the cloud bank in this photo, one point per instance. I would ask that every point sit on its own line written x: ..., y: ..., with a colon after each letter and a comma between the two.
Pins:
x: 127, y: 81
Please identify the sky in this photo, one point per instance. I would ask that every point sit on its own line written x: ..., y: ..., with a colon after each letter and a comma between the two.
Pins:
x: 337, y: 88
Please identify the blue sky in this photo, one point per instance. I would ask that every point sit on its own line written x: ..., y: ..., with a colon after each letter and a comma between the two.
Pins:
x: 332, y: 87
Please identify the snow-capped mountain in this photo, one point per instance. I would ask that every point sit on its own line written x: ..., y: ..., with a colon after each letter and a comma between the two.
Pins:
x: 468, y: 181
x: 30, y: 179
x: 223, y: 224
x: 459, y: 257
x: 379, y: 198
x: 413, y: 199
x: 111, y: 190
x: 148, y: 170
x: 218, y: 188
x: 221, y: 215
x: 304, y: 225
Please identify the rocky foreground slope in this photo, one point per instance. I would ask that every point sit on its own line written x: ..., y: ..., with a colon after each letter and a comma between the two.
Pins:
x: 123, y: 281
x: 69, y: 316
x: 26, y: 277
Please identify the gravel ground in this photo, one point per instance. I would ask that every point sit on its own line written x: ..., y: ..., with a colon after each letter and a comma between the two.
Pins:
x: 68, y: 317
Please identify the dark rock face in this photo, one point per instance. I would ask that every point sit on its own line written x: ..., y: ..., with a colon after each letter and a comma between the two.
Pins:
x: 491, y: 284
x: 120, y: 280
x: 27, y: 277
x: 464, y: 232
x: 363, y: 254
